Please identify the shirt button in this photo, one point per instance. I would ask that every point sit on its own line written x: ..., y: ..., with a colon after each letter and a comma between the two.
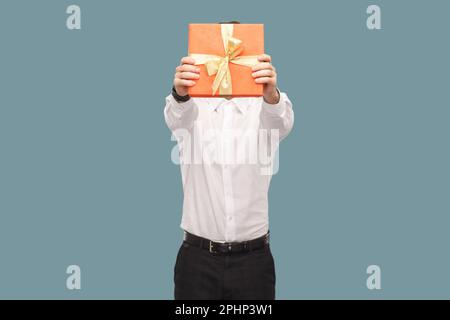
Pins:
x: 230, y: 218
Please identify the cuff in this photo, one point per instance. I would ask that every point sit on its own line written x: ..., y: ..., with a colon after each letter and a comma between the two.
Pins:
x: 178, y: 108
x: 278, y: 108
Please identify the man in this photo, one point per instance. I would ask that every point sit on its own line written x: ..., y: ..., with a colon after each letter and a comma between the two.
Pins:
x: 225, y: 253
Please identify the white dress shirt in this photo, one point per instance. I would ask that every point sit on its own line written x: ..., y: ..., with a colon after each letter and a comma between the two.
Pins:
x: 225, y: 187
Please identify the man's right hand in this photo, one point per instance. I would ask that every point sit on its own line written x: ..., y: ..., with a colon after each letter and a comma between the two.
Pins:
x: 186, y: 75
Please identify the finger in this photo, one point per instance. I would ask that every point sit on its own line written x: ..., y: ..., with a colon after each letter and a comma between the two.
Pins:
x: 264, y: 58
x: 263, y: 65
x: 187, y: 68
x: 187, y: 75
x: 187, y: 60
x: 183, y: 82
x: 266, y: 80
x: 263, y: 73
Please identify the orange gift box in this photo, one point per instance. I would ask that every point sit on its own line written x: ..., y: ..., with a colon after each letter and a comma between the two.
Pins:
x: 225, y: 54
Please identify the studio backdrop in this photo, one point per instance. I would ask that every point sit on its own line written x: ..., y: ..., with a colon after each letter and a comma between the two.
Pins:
x: 358, y: 208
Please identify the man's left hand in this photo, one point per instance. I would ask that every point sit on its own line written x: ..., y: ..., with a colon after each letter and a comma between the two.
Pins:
x: 264, y: 72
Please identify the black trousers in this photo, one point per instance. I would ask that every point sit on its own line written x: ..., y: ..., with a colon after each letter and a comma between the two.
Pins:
x: 201, y: 275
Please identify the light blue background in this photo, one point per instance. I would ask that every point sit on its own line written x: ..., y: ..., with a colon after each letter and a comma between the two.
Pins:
x: 85, y: 170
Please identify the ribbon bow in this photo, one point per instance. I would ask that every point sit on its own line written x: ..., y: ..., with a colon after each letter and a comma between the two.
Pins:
x: 219, y: 65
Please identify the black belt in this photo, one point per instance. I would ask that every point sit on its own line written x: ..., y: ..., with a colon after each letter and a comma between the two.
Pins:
x: 227, y: 247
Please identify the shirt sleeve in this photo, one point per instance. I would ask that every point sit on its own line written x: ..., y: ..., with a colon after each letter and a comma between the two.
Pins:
x: 278, y: 116
x: 180, y: 115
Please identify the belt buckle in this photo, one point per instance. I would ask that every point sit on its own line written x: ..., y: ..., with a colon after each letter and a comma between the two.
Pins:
x: 211, y: 247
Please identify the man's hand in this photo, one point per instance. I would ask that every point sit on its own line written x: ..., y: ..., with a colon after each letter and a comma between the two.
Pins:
x: 264, y: 72
x: 185, y: 75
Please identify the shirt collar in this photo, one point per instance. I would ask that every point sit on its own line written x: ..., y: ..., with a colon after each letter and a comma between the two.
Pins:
x: 239, y: 103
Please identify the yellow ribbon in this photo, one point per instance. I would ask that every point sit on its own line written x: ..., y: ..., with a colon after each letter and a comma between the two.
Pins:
x: 219, y: 65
